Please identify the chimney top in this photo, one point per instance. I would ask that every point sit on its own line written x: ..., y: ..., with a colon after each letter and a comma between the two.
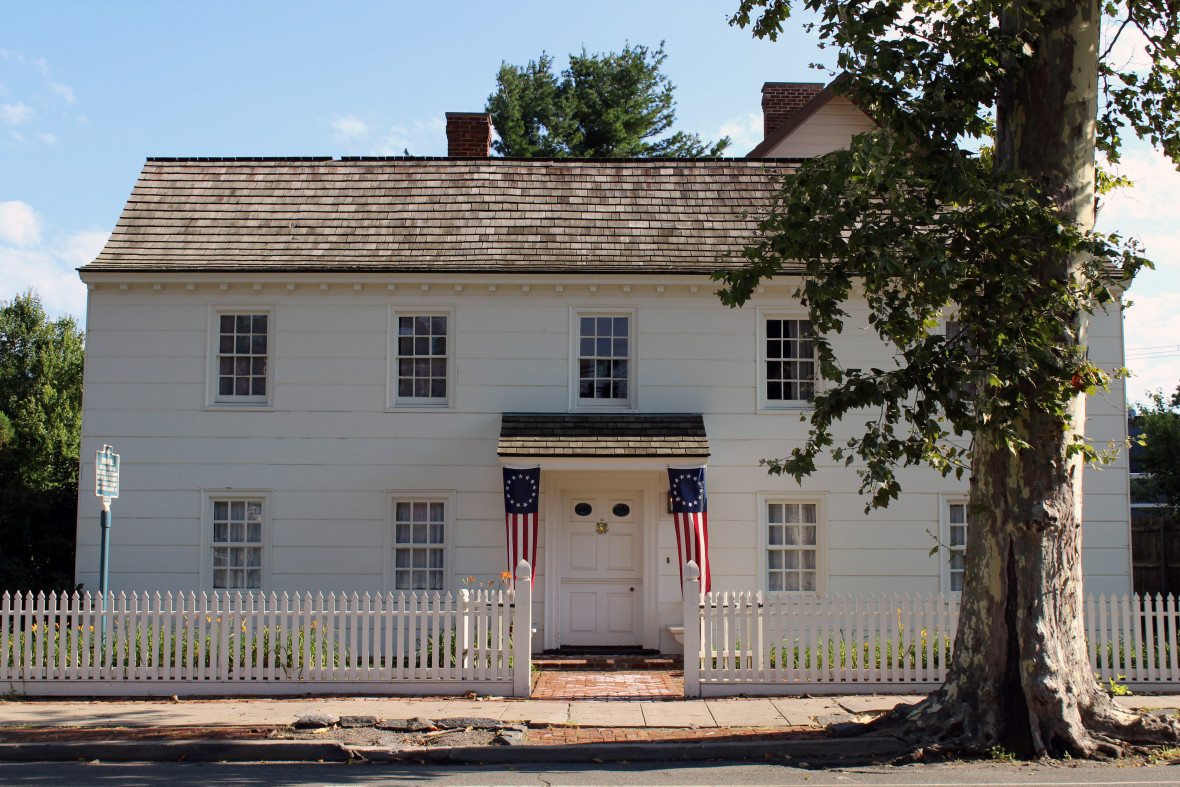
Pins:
x: 781, y: 100
x: 469, y: 134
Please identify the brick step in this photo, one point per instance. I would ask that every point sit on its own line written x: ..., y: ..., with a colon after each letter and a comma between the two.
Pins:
x: 608, y: 663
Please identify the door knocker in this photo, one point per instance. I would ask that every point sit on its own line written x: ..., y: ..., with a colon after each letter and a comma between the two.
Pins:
x: 602, y: 526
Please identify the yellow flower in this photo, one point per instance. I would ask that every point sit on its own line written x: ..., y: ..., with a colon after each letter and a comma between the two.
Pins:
x: 505, y: 576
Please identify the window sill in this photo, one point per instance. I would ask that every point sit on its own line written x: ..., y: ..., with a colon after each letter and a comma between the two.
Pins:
x: 257, y: 407
x: 397, y: 407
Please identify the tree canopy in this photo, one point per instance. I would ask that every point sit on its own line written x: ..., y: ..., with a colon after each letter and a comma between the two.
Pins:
x: 40, y: 429
x: 1158, y: 458
x: 914, y: 221
x: 603, y: 106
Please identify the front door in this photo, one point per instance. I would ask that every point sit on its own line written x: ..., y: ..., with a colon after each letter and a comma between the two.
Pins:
x: 602, y: 569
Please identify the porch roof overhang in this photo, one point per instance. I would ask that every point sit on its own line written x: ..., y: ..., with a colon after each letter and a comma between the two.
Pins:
x: 670, y: 436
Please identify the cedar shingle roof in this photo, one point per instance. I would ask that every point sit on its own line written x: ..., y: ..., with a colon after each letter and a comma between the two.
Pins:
x: 439, y: 215
x: 562, y: 434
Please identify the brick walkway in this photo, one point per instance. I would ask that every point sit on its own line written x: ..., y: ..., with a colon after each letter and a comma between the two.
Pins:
x: 618, y: 685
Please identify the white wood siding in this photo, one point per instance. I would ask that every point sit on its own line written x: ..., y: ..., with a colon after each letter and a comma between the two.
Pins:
x: 329, y: 452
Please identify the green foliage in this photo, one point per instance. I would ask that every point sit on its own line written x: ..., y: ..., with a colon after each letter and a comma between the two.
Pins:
x: 1159, y: 456
x: 40, y: 428
x: 928, y: 230
x: 603, y: 106
x: 1116, y: 689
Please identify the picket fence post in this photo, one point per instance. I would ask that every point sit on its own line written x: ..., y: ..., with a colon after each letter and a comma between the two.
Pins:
x: 522, y: 631
x: 692, y: 629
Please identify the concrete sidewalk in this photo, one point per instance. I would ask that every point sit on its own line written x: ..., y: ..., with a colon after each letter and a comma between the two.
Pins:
x: 793, y: 712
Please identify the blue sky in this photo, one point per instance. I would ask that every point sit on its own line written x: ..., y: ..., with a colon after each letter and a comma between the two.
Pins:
x: 90, y: 89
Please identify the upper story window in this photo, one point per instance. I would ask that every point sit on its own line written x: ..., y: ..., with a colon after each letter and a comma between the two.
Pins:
x: 241, y: 366
x: 789, y: 362
x: 605, y: 348
x: 422, y: 369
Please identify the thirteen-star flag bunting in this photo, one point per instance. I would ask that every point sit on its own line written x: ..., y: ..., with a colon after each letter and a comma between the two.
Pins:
x: 689, y: 514
x: 521, y: 488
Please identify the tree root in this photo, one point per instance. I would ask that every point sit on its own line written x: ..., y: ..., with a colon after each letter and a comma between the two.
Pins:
x: 936, y: 728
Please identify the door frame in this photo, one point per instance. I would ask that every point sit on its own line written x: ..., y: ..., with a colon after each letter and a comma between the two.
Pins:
x: 557, y: 485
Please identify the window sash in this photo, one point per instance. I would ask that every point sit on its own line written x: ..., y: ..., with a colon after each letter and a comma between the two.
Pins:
x: 237, y: 543
x: 242, y: 357
x: 789, y: 360
x: 792, y: 547
x: 419, y: 545
x: 604, y: 358
x: 422, y: 357
x: 956, y: 542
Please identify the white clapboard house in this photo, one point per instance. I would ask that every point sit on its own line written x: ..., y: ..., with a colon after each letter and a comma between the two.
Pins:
x: 315, y: 371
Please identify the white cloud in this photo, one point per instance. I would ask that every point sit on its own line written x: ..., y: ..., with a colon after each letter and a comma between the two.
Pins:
x: 19, y: 224
x: 1153, y: 343
x: 65, y: 91
x: 80, y: 247
x: 48, y: 139
x: 41, y: 65
x: 15, y: 114
x: 16, y: 135
x: 349, y: 127
x: 421, y: 137
x: 744, y: 132
x: 48, y: 269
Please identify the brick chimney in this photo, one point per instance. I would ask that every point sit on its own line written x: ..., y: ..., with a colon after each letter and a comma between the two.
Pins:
x: 469, y: 134
x: 781, y: 100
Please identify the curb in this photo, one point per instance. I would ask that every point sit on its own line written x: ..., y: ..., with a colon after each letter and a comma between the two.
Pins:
x: 858, y: 749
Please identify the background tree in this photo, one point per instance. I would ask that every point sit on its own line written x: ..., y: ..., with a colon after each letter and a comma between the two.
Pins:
x: 1158, y: 458
x: 604, y: 106
x: 915, y: 221
x: 40, y: 430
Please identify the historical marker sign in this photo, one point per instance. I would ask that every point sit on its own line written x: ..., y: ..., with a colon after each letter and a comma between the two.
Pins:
x: 106, y: 473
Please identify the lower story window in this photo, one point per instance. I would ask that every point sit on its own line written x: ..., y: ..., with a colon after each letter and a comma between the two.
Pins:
x: 419, y: 551
x: 237, y: 544
x: 792, y: 547
x: 957, y: 544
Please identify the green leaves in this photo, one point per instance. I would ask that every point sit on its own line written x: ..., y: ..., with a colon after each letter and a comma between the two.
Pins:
x: 605, y: 105
x: 40, y: 427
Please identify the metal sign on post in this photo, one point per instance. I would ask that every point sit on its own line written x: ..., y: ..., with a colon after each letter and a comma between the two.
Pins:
x: 106, y: 473
x: 106, y: 486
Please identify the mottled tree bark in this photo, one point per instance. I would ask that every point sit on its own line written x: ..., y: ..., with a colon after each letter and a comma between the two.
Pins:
x: 1020, y: 677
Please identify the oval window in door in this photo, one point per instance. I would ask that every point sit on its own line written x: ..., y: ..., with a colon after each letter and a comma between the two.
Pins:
x: 621, y: 510
x: 583, y: 509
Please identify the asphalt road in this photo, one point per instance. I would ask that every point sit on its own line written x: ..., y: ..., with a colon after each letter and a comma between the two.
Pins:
x: 639, y: 775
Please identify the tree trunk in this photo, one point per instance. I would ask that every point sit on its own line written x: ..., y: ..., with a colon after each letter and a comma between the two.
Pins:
x: 1020, y: 677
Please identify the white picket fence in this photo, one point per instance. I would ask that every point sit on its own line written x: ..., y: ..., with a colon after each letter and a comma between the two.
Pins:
x: 266, y: 643
x: 755, y: 643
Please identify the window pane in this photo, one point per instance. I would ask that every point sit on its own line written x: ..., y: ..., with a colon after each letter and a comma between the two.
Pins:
x: 422, y: 388
x: 405, y: 387
x: 436, y: 558
x: 220, y: 509
x: 438, y: 389
x: 220, y: 581
x: 421, y: 512
x: 587, y: 347
x: 436, y: 512
x: 401, y: 558
x: 422, y: 326
x: 774, y: 558
x: 774, y: 390
x: 775, y: 513
x: 790, y: 558
x: 418, y: 558
x: 809, y: 582
x: 237, y: 510
x: 604, y: 324
x: 436, y: 534
x: 402, y: 534
x: 220, y: 556
x: 587, y: 326
x: 241, y: 365
x: 242, y: 386
x: 620, y: 326
x: 405, y: 345
x: 438, y: 346
x: 243, y: 324
x: 774, y: 329
x: 603, y: 348
x: 438, y: 325
x: 405, y: 326
x: 776, y: 582
x: 259, y: 323
x: 420, y: 533
x: 242, y: 345
x: 402, y: 512
x: 808, y: 512
x: 258, y: 386
x: 791, y: 581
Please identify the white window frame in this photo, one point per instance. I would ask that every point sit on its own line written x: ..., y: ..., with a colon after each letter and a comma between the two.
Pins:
x: 208, y: 497
x: 820, y: 501
x: 766, y: 404
x: 597, y: 405
x: 392, y: 400
x: 214, y: 400
x: 448, y: 499
x: 945, y: 501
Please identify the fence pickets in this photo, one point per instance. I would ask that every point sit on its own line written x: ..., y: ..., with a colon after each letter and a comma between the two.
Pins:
x: 261, y: 638
x: 751, y: 642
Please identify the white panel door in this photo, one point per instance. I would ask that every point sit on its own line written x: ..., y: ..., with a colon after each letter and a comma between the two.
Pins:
x: 602, y: 569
